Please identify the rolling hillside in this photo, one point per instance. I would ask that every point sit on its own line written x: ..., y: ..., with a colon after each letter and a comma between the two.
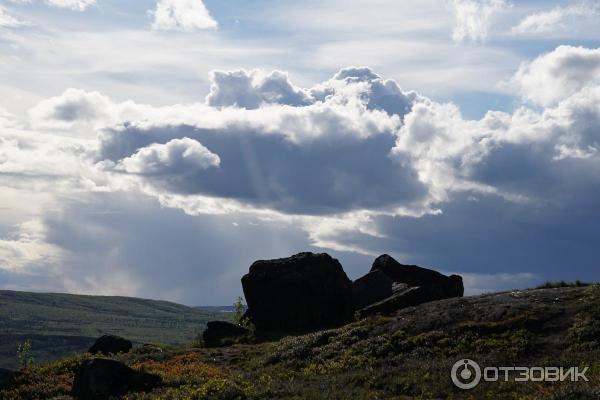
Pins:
x: 408, y: 354
x: 61, y: 324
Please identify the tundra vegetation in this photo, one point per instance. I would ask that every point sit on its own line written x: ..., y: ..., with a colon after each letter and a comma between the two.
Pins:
x: 404, y: 354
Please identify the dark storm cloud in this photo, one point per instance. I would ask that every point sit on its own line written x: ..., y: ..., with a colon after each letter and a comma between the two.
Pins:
x: 331, y: 157
x: 486, y: 233
x: 268, y: 171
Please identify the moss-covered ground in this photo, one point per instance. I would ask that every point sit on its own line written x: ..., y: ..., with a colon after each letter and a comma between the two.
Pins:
x: 402, y: 356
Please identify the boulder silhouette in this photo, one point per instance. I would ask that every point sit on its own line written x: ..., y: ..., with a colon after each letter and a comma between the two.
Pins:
x: 110, y: 344
x: 371, y: 288
x: 7, y: 378
x: 102, y: 379
x: 413, y: 275
x: 301, y: 293
x: 219, y: 333
x: 411, y: 286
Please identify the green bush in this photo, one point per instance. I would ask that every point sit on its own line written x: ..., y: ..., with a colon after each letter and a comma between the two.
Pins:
x: 238, y: 315
x: 24, y: 354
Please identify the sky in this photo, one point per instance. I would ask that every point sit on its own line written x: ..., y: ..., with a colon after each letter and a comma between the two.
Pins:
x: 156, y: 148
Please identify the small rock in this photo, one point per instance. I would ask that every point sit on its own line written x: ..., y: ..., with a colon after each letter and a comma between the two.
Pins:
x: 102, y: 379
x: 148, y: 348
x: 219, y: 333
x: 110, y: 344
x: 399, y: 287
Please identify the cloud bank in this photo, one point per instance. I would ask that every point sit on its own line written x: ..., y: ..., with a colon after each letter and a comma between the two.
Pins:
x: 354, y: 164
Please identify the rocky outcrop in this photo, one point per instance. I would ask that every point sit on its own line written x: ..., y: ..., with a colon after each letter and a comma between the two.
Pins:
x: 371, y: 288
x: 109, y: 344
x: 412, y: 275
x: 219, y: 333
x: 7, y: 378
x: 309, y: 292
x: 304, y: 292
x: 102, y: 379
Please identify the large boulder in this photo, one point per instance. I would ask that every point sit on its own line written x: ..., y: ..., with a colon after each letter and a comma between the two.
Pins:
x: 102, y: 379
x: 412, y: 275
x: 220, y: 333
x: 7, y: 378
x: 302, y: 293
x: 371, y: 288
x: 110, y: 344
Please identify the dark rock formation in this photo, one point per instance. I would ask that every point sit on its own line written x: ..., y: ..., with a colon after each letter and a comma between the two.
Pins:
x: 371, y: 288
x: 7, y: 378
x: 300, y: 293
x: 101, y: 379
x: 412, y: 285
x: 412, y: 275
x: 219, y: 333
x: 109, y: 344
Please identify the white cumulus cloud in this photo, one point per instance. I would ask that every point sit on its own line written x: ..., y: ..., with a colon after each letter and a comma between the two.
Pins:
x: 178, y: 156
x: 251, y: 89
x: 558, y: 74
x: 526, y: 156
x: 182, y: 15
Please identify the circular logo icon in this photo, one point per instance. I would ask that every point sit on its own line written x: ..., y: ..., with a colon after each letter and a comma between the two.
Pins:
x: 465, y: 374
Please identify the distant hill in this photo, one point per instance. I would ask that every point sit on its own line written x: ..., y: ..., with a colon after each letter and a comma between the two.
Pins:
x: 219, y: 309
x: 61, y: 324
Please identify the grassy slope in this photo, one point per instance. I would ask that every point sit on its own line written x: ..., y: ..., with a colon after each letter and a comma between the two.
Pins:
x: 405, y: 355
x: 60, y: 324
